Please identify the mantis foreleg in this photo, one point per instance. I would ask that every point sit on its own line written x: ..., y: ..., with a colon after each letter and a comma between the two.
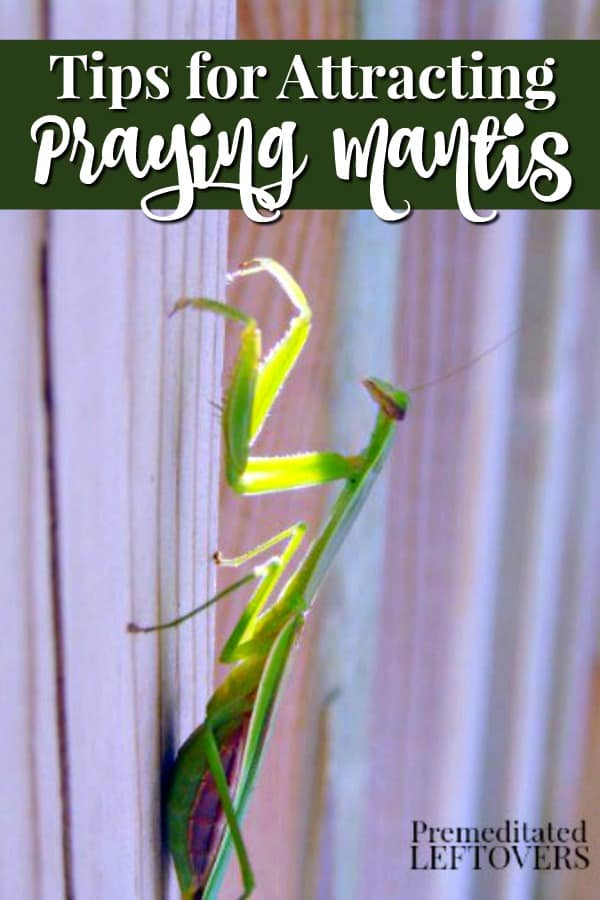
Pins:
x: 254, y: 386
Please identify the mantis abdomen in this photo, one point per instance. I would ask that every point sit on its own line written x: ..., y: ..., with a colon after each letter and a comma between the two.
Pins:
x: 196, y: 819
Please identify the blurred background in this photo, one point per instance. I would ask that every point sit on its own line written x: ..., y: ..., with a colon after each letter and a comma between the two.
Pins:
x: 450, y: 671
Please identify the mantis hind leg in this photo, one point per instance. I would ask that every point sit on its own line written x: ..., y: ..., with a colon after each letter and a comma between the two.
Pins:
x: 262, y: 713
x: 257, y: 572
x: 215, y: 766
x: 267, y: 574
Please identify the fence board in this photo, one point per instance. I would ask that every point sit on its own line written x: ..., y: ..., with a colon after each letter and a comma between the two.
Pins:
x: 31, y: 861
x: 136, y: 474
x: 31, y: 854
x: 128, y: 454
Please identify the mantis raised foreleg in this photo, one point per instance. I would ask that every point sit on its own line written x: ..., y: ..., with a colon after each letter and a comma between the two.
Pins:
x: 253, y: 389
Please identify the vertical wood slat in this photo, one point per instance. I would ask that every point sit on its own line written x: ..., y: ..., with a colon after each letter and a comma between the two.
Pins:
x: 31, y: 862
x: 547, y: 443
x: 572, y: 679
x: 581, y: 669
x: 423, y: 515
x: 572, y: 776
x: 420, y: 757
x: 88, y: 309
x: 483, y: 476
x: 31, y: 849
x: 137, y: 475
x: 449, y: 752
x: 135, y: 452
x: 366, y: 319
x: 364, y: 345
x: 123, y: 554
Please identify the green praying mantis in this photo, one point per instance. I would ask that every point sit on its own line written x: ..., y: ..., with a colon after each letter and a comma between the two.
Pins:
x: 217, y: 766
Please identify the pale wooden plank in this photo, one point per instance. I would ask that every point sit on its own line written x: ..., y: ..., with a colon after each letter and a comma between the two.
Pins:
x: 583, y: 799
x: 138, y: 473
x: 31, y: 861
x: 136, y: 444
x: 31, y: 854
x: 549, y: 378
x: 530, y: 645
x: 362, y: 345
x: 481, y: 764
x: 572, y: 688
x: 585, y: 886
x: 173, y: 485
x: 483, y: 475
x: 20, y: 21
x: 367, y: 313
x: 432, y: 337
x: 89, y: 311
x: 572, y: 770
x: 458, y: 750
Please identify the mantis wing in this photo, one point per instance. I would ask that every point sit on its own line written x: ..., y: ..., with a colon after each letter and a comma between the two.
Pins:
x: 262, y: 715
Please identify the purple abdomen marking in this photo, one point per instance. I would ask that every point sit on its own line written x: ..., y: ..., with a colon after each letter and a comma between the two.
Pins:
x: 207, y: 821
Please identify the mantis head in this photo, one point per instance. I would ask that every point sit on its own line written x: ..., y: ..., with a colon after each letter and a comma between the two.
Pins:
x: 393, y: 403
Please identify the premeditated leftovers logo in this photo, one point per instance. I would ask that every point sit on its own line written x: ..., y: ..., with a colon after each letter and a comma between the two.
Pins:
x: 513, y: 844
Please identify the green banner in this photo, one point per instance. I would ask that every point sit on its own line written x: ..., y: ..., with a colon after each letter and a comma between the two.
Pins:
x: 169, y: 126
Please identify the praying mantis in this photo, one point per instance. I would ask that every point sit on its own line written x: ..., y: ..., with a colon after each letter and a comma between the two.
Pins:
x: 216, y: 768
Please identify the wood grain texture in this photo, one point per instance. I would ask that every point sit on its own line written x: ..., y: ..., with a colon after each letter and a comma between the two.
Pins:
x: 31, y: 854
x: 112, y: 488
x: 423, y: 522
x: 589, y: 790
x: 31, y: 847
x: 270, y: 20
x: 364, y: 341
x: 480, y: 692
x: 136, y: 472
x: 367, y: 316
